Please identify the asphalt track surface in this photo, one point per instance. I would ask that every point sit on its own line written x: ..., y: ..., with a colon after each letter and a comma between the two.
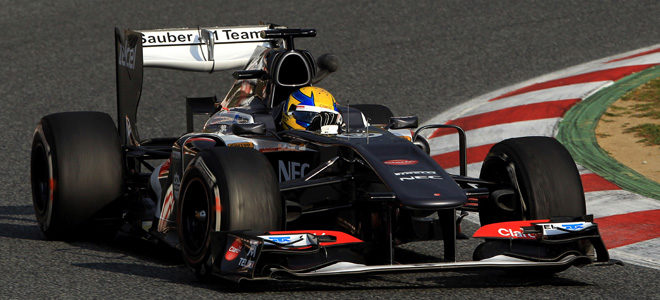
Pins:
x: 418, y: 58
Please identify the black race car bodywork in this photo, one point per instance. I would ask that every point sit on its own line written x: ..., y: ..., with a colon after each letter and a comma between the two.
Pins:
x: 244, y: 199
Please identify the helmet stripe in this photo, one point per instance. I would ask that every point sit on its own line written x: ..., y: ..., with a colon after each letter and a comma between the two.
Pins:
x: 304, y: 99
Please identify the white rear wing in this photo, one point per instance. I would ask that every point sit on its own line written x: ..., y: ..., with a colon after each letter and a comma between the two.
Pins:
x: 202, y: 49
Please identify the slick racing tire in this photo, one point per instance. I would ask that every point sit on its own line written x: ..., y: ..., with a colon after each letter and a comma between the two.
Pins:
x: 538, y: 169
x: 225, y: 189
x: 376, y: 114
x: 75, y: 170
x: 536, y: 179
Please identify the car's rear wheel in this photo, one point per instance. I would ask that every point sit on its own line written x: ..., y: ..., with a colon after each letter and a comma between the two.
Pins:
x: 225, y: 189
x: 75, y: 170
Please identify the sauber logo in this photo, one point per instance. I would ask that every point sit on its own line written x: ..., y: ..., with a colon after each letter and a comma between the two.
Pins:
x: 187, y: 37
x: 507, y: 232
x: 400, y: 162
x: 234, y: 250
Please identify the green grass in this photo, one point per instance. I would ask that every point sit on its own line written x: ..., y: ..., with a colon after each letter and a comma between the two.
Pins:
x: 650, y: 133
x: 647, y: 105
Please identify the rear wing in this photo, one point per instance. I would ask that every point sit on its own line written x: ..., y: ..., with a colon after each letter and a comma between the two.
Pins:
x: 201, y: 49
x: 190, y: 49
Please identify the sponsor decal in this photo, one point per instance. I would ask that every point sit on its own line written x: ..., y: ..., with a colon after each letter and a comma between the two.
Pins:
x: 248, y: 261
x: 279, y: 239
x: 289, y: 170
x: 191, y: 37
x: 358, y: 135
x: 510, y: 233
x: 234, y: 249
x: 572, y: 226
x: 245, y: 263
x: 508, y: 230
x: 418, y: 175
x: 563, y: 228
x: 401, y: 162
x: 341, y: 237
x: 242, y: 145
x: 126, y: 57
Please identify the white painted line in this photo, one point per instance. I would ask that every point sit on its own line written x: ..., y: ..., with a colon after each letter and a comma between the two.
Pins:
x: 644, y: 253
x: 494, y: 134
x: 573, y: 91
x: 616, y: 202
x: 459, y: 110
x: 473, y: 169
x: 653, y: 58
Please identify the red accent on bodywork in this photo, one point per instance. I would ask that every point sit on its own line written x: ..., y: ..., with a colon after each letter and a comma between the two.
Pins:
x: 164, y: 168
x: 507, y: 230
x: 400, y: 162
x: 205, y: 139
x: 234, y: 250
x: 601, y: 75
x: 342, y: 238
x: 626, y: 229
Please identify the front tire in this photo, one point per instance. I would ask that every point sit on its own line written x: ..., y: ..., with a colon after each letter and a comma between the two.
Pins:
x: 537, y: 179
x: 225, y: 189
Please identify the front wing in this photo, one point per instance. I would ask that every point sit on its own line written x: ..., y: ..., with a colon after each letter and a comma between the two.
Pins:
x: 252, y: 256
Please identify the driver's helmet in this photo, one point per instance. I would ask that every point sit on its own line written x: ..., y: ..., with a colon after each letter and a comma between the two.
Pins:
x: 310, y: 108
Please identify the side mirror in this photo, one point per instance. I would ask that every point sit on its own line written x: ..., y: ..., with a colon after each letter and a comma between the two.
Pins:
x: 403, y: 122
x: 249, y: 128
x: 327, y: 64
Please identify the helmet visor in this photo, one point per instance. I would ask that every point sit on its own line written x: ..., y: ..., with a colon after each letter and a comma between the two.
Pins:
x: 304, y: 116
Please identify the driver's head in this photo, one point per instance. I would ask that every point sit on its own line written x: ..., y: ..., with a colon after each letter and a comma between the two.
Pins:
x: 309, y: 108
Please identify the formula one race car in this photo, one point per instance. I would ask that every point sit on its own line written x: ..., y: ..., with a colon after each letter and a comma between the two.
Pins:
x: 275, y: 184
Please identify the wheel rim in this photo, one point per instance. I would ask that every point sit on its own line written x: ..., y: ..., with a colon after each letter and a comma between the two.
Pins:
x: 195, y: 217
x: 40, y: 179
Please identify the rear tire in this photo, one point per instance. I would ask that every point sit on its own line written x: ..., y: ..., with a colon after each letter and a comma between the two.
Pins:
x: 546, y: 174
x: 244, y: 184
x: 75, y: 170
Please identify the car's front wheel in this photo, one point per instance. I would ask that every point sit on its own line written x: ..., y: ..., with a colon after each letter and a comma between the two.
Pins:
x: 225, y: 189
x: 536, y: 178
